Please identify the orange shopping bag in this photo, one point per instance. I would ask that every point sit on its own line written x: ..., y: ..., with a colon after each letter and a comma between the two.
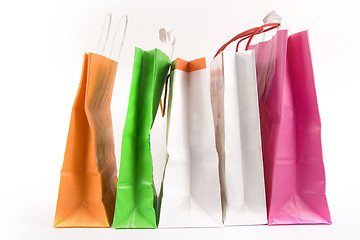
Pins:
x: 89, y: 175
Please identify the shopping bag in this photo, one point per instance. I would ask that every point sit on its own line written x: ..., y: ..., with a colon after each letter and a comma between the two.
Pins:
x: 136, y: 200
x: 290, y: 130
x: 238, y: 142
x: 190, y: 194
x: 88, y: 176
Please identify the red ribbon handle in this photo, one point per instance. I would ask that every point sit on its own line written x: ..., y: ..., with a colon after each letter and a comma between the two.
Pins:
x: 248, y: 34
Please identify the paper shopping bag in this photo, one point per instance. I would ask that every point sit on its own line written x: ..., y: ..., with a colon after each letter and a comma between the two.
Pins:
x: 88, y: 177
x: 190, y: 188
x: 136, y: 198
x: 238, y: 142
x: 290, y: 130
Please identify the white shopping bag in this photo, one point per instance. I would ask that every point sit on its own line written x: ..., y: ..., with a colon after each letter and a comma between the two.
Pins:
x: 237, y: 129
x: 191, y: 188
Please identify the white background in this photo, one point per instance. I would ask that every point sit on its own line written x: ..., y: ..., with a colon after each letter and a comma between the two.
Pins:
x: 41, y: 51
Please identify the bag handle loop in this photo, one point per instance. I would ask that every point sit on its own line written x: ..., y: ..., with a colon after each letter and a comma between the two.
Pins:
x: 124, y: 19
x: 261, y: 29
x: 108, y: 22
x: 248, y: 34
x: 162, y: 108
x: 168, y: 39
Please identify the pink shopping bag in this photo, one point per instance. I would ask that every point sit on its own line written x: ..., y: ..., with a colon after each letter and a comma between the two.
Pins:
x: 290, y: 131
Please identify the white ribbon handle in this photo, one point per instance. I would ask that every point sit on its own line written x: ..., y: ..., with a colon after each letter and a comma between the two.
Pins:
x: 168, y: 39
x: 107, y: 19
x: 124, y: 19
x: 273, y: 17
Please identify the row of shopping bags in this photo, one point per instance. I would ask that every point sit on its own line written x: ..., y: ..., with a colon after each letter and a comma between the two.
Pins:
x: 243, y: 142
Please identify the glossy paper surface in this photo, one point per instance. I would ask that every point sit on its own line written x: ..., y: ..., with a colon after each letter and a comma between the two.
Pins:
x: 190, y: 189
x: 136, y: 198
x: 234, y: 100
x: 88, y: 177
x: 290, y: 130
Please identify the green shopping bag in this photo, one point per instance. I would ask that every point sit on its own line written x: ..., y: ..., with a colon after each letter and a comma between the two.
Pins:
x: 136, y: 198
